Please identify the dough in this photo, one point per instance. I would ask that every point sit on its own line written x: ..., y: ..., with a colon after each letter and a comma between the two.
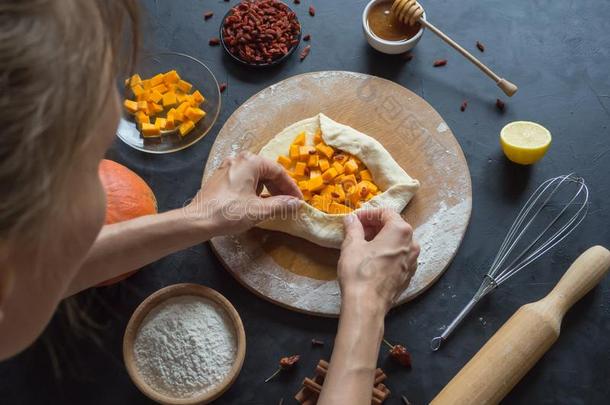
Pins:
x: 327, y: 229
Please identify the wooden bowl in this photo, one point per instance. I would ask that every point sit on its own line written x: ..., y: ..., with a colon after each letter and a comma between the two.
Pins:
x: 144, y: 309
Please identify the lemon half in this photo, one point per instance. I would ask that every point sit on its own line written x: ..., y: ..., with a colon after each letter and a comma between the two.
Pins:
x: 524, y: 142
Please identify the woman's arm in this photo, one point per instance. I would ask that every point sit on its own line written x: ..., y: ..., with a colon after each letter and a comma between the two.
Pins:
x: 378, y: 258
x: 228, y: 203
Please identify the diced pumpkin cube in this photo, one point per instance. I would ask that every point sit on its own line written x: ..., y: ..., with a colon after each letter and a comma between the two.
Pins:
x: 186, y: 127
x: 351, y: 166
x: 142, y: 105
x: 294, y: 152
x: 371, y: 187
x: 146, y: 84
x: 300, y: 139
x: 185, y: 86
x: 314, y: 173
x: 338, y: 179
x: 324, y: 165
x: 327, y: 190
x: 305, y: 152
x: 161, y: 88
x: 182, y: 97
x: 171, y: 77
x: 329, y: 174
x: 284, y: 161
x: 137, y: 90
x: 182, y: 108
x: 156, y: 80
x: 154, y: 108
x: 155, y: 96
x: 150, y: 130
x: 160, y: 123
x: 198, y: 97
x: 169, y: 99
x: 325, y: 150
x: 169, y: 121
x: 299, y: 169
x: 348, y: 181
x: 339, y: 168
x: 313, y: 160
x: 135, y: 80
x: 337, y: 208
x: 306, y: 195
x: 131, y: 106
x: 369, y: 196
x: 178, y: 116
x: 142, y: 117
x: 194, y: 114
x: 365, y: 175
x: 338, y: 193
x: 317, y: 137
x: 315, y: 184
x: 353, y: 196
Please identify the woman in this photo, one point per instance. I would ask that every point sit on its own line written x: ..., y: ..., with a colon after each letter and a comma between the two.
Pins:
x: 60, y: 108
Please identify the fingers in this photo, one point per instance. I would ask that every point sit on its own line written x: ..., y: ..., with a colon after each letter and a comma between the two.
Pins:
x: 280, y: 206
x: 353, y: 230
x: 271, y: 174
x: 374, y: 220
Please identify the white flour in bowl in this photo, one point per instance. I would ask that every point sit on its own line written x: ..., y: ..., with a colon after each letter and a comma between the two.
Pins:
x: 185, y: 346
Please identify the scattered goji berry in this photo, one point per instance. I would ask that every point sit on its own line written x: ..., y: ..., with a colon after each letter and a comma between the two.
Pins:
x: 312, y: 11
x: 214, y: 41
x: 500, y: 104
x: 480, y: 46
x: 222, y: 87
x: 305, y: 52
x: 464, y: 105
x: 440, y: 62
x: 307, y: 37
x: 207, y: 15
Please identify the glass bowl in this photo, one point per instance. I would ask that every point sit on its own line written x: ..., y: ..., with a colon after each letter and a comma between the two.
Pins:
x: 190, y: 69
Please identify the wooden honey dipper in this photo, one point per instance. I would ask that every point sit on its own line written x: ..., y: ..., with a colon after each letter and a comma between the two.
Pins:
x: 410, y: 12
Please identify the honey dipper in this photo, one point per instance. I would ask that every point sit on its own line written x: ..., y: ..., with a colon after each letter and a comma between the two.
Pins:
x: 410, y: 12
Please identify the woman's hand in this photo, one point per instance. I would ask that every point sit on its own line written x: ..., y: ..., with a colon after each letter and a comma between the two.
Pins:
x: 230, y: 200
x: 378, y: 258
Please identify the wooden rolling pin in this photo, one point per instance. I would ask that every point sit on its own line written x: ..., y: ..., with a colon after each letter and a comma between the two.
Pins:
x: 524, y: 338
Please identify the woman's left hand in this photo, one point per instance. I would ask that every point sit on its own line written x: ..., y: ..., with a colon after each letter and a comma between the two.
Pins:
x: 230, y: 202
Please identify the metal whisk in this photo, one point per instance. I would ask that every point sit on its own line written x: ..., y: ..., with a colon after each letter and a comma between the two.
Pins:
x: 570, y: 195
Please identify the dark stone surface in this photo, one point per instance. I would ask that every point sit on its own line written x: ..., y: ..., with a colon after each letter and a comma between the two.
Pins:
x: 558, y: 54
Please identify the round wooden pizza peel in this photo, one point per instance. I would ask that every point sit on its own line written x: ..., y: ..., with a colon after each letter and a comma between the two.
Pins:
x: 299, y: 275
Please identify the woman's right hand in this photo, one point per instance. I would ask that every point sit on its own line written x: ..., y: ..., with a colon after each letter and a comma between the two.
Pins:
x: 378, y: 258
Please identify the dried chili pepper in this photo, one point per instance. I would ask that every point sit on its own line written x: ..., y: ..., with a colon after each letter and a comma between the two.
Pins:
x: 480, y: 46
x: 285, y: 364
x: 464, y: 105
x: 440, y: 62
x: 312, y: 11
x: 208, y: 15
x: 399, y: 353
x: 214, y: 41
x: 305, y: 52
x: 500, y: 104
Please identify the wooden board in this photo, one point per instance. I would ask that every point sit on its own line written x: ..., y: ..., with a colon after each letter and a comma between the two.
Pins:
x: 300, y: 275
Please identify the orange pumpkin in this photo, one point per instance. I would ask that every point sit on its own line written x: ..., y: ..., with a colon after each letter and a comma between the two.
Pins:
x: 127, y: 197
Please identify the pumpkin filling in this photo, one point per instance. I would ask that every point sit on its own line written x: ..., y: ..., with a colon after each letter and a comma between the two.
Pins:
x: 331, y: 180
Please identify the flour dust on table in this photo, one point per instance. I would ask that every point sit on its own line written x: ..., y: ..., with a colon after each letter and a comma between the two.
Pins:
x: 185, y: 347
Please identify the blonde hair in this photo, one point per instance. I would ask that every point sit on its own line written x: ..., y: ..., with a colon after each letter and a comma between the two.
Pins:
x: 54, y: 57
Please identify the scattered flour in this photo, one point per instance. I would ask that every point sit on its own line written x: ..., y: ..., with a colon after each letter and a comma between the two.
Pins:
x: 185, y: 347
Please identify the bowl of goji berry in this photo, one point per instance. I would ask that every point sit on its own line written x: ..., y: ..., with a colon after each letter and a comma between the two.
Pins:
x: 260, y: 33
